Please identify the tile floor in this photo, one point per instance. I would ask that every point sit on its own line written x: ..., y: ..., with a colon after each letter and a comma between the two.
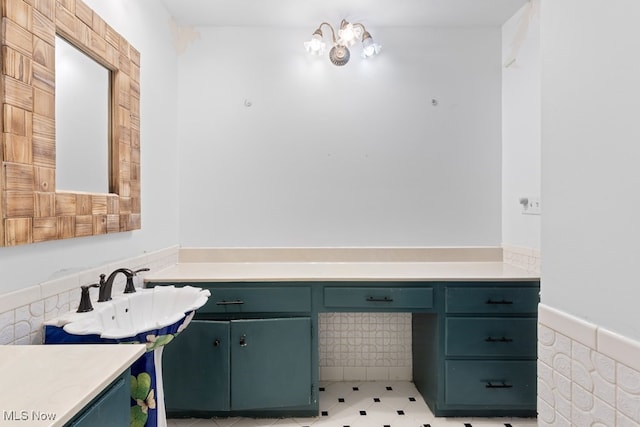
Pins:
x: 364, y: 404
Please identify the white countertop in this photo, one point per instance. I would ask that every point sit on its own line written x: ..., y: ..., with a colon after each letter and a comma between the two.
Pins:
x: 58, y: 379
x: 336, y: 271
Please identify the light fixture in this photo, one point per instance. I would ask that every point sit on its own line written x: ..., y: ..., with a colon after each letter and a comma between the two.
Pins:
x: 348, y: 34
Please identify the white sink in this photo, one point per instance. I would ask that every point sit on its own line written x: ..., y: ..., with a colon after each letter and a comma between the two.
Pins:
x: 128, y: 315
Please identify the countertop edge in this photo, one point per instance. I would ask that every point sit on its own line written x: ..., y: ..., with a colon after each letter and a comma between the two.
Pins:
x: 340, y: 271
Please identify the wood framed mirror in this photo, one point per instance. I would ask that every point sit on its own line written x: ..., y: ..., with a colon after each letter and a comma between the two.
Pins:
x: 31, y: 208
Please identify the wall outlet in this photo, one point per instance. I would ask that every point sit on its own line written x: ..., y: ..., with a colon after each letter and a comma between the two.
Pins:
x: 530, y: 205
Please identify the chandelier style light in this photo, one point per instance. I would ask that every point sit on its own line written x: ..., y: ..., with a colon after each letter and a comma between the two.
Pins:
x: 348, y: 34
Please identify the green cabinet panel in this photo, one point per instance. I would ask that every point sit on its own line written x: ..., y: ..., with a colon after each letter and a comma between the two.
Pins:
x: 481, y: 355
x: 500, y: 384
x: 245, y: 364
x: 490, y: 336
x: 250, y: 299
x: 195, y: 368
x: 271, y: 365
x: 492, y: 300
x: 378, y: 298
x: 111, y: 408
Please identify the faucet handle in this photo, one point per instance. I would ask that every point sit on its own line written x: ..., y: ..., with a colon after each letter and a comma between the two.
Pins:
x: 130, y: 287
x: 85, y: 299
x: 105, y: 289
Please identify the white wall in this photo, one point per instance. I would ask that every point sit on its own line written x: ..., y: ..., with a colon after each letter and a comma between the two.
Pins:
x: 590, y: 159
x: 146, y: 26
x: 521, y: 126
x: 351, y: 156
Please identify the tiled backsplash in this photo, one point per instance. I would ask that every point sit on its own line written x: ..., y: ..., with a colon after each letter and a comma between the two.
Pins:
x: 525, y: 258
x: 587, y: 375
x: 23, y: 312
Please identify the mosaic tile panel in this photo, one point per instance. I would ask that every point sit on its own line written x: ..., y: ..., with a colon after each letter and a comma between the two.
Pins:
x: 365, y: 345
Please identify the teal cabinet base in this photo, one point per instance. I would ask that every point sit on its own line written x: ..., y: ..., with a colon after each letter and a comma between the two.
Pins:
x: 308, y: 411
x: 110, y: 408
x: 481, y: 411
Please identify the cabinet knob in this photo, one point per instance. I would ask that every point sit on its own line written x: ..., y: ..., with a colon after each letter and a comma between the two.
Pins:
x: 243, y: 341
x: 216, y: 343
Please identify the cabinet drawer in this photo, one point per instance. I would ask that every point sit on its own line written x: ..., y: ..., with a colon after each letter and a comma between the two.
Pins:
x: 490, y: 336
x: 378, y: 298
x: 242, y: 299
x: 494, y: 383
x: 496, y: 300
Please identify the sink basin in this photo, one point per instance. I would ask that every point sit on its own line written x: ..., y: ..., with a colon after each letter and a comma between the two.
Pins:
x: 152, y: 316
x: 128, y: 315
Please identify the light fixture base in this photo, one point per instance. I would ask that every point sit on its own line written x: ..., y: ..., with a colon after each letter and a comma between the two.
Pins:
x: 339, y: 55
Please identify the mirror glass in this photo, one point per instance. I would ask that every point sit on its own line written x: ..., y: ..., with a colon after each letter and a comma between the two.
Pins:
x: 82, y: 99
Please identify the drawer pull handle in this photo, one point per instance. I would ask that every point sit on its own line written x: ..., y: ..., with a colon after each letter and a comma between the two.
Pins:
x: 502, y: 301
x: 374, y: 299
x: 236, y: 302
x: 501, y: 385
x: 502, y: 339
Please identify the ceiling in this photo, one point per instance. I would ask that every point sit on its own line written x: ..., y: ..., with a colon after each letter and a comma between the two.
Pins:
x: 373, y: 13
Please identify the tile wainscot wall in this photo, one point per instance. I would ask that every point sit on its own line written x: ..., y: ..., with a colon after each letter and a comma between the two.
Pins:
x: 587, y: 375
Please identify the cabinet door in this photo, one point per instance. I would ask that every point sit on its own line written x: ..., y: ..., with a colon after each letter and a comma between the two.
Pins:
x: 271, y: 363
x: 195, y: 368
x: 111, y: 408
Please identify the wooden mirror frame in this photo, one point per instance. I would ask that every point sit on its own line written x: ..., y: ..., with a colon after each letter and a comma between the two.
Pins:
x: 31, y: 209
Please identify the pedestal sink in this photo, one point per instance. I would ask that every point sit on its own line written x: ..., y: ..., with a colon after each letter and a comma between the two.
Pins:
x: 149, y: 316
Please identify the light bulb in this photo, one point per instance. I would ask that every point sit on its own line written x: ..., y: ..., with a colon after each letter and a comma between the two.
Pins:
x: 369, y: 47
x: 315, y: 46
x: 348, y: 34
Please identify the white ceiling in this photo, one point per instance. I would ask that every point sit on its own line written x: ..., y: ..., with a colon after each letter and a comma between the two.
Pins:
x: 373, y: 13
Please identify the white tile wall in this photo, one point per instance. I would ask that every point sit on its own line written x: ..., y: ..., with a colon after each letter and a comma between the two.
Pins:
x: 23, y: 312
x: 364, y: 346
x: 584, y: 380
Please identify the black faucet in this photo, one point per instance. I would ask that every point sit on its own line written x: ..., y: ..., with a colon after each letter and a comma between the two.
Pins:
x: 106, y: 285
x: 85, y: 300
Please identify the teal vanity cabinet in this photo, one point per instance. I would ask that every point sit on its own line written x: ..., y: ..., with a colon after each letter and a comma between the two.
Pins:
x: 478, y: 357
x: 250, y: 351
x: 253, y: 348
x: 111, y: 408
